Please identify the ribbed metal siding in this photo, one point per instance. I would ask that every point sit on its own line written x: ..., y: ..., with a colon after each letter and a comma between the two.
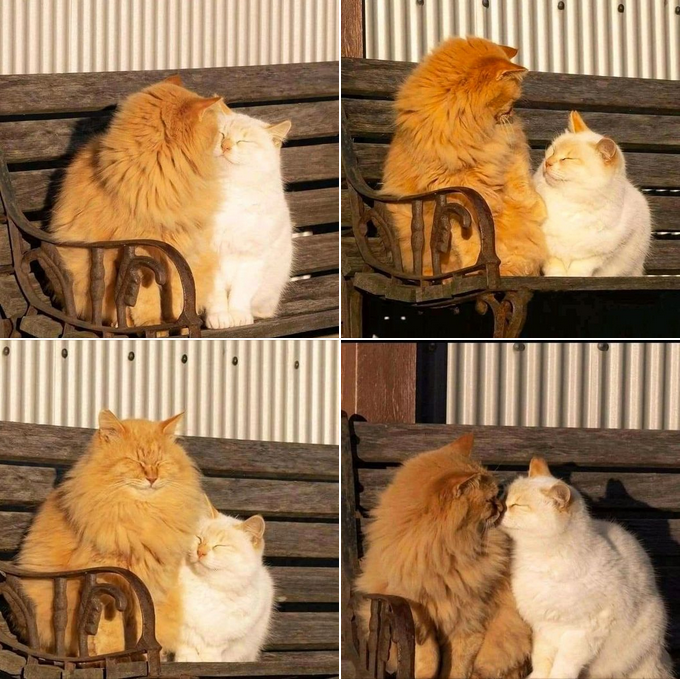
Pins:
x: 282, y: 390
x: 63, y: 36
x: 628, y: 385
x: 587, y: 36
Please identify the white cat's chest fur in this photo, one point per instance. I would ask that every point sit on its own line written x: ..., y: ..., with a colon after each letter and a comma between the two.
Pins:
x: 223, y: 623
x: 603, y: 233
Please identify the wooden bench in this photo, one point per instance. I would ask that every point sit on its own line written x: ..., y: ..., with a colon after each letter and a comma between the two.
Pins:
x: 44, y: 119
x: 641, y: 115
x: 294, y: 486
x: 630, y: 476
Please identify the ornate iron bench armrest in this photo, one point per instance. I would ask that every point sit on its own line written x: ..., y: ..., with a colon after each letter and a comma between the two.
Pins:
x: 363, y: 200
x: 391, y: 628
x: 128, y: 278
x: 87, y: 615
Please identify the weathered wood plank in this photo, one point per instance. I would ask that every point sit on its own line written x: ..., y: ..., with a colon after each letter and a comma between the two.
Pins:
x: 36, y: 190
x: 270, y: 665
x: 95, y: 91
x: 303, y: 630
x: 580, y: 447
x: 659, y: 170
x: 592, y: 283
x: 306, y: 584
x: 307, y: 305
x: 307, y: 208
x: 376, y: 118
x: 57, y: 445
x: 663, y: 256
x: 315, y: 253
x: 45, y: 140
x: 381, y: 79
x: 604, y: 490
x: 284, y: 539
x: 24, y: 485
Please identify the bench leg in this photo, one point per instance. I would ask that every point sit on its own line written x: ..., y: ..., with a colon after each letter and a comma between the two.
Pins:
x: 352, y: 310
x: 509, y: 313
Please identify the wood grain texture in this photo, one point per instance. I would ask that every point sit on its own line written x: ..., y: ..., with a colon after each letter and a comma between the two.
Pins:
x: 36, y: 190
x: 43, y: 140
x: 352, y: 31
x: 307, y: 208
x: 385, y: 385
x: 578, y: 447
x: 238, y: 85
x: 381, y: 79
x: 306, y: 584
x: 62, y: 446
x: 348, y: 364
x: 284, y: 539
x: 315, y: 253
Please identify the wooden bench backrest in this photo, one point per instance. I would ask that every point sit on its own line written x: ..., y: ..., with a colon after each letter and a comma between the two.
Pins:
x: 294, y: 486
x: 641, y: 115
x: 630, y: 476
x: 44, y: 119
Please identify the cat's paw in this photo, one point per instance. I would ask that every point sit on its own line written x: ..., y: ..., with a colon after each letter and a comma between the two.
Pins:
x: 218, y: 320
x: 264, y: 311
x: 240, y: 317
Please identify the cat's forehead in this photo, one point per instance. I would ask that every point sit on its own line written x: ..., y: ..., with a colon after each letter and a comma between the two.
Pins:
x: 239, y: 123
x: 577, y: 141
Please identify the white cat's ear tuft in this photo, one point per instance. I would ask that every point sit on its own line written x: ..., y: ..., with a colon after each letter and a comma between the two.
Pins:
x: 255, y: 527
x: 170, y: 425
x: 539, y: 468
x: 576, y: 123
x: 279, y: 131
x: 212, y: 510
x: 109, y: 426
x: 560, y: 495
x: 607, y: 149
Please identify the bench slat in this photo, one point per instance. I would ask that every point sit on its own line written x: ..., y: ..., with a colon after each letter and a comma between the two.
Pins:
x: 316, y: 253
x: 605, y: 490
x: 47, y: 140
x: 306, y: 584
x: 661, y: 170
x: 376, y: 118
x: 36, y: 189
x: 393, y: 443
x: 284, y: 539
x: 304, y: 630
x: 380, y: 79
x: 270, y: 665
x: 312, y: 207
x: 95, y: 91
x: 62, y: 446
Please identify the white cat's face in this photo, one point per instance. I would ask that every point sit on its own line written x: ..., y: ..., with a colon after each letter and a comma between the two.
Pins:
x: 582, y: 160
x: 250, y: 143
x: 228, y: 545
x: 538, y: 506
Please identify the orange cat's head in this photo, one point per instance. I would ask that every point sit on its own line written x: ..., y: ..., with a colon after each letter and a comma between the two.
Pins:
x: 139, y: 459
x: 466, y: 86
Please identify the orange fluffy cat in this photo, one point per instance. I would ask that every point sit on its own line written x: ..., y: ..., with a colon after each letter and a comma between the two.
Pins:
x: 455, y: 128
x: 434, y: 540
x: 152, y: 175
x: 133, y: 501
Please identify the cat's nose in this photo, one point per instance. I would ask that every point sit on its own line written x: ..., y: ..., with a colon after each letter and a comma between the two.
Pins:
x: 201, y: 551
x: 151, y: 479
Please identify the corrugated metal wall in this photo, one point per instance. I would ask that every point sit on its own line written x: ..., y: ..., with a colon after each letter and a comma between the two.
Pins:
x: 611, y: 385
x: 283, y: 390
x: 63, y: 36
x: 587, y: 36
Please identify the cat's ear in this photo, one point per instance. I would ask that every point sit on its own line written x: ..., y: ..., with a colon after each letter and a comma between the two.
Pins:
x: 510, y: 52
x: 279, y: 131
x: 453, y: 485
x: 109, y: 426
x: 174, y: 79
x: 170, y: 425
x: 607, y: 149
x: 539, y: 468
x: 200, y: 106
x: 506, y: 69
x: 461, y: 446
x: 254, y: 526
x: 560, y: 495
x: 576, y: 123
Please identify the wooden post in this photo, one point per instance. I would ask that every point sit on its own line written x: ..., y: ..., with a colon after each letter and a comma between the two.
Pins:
x: 379, y: 381
x: 352, y: 32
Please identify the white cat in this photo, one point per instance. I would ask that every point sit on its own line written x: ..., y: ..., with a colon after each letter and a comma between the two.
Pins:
x: 227, y: 593
x: 585, y: 586
x: 598, y: 223
x: 252, y: 231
